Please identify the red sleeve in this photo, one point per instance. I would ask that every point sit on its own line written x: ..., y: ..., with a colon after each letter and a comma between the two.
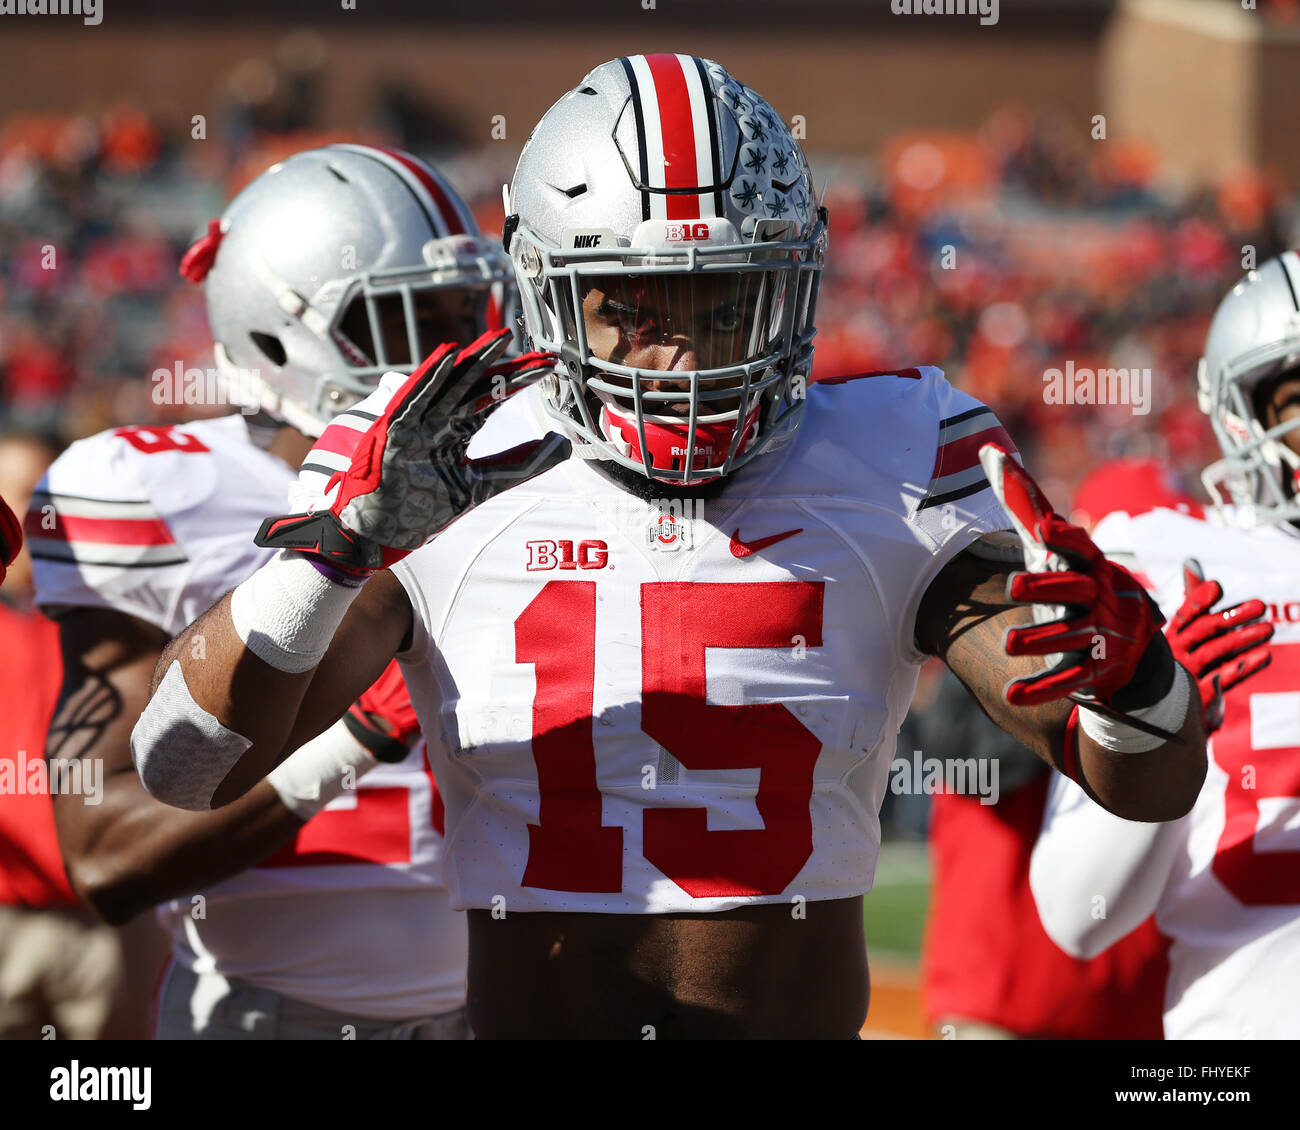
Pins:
x: 31, y: 867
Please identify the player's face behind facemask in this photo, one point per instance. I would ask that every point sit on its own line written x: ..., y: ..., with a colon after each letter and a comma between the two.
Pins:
x: 677, y: 323
x: 637, y: 327
x: 386, y: 331
x: 1276, y: 402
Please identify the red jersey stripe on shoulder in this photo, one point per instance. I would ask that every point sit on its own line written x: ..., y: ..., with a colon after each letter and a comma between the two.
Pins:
x: 960, y: 454
x: 59, y: 526
x: 911, y: 374
x: 339, y: 439
x: 957, y: 472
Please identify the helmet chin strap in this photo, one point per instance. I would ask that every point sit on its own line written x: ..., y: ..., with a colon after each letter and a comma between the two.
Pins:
x: 1259, y: 474
x: 1278, y: 455
x: 289, y: 300
x: 1218, y: 478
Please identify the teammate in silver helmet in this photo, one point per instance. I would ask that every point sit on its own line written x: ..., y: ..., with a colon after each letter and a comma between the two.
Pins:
x: 336, y: 266
x: 1248, y: 384
x: 331, y: 267
x: 1221, y: 881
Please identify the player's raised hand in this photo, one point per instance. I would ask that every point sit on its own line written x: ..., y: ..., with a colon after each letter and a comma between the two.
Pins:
x: 1094, y: 622
x: 390, y: 473
x: 1220, y: 648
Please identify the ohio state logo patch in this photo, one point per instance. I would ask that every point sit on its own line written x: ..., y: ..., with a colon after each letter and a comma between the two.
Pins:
x: 672, y: 526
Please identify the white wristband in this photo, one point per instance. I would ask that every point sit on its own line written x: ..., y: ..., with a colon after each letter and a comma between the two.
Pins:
x: 318, y: 772
x: 287, y: 612
x: 1169, y: 714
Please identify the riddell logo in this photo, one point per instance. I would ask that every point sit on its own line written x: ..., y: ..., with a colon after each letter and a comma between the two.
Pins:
x: 684, y: 233
x: 563, y: 555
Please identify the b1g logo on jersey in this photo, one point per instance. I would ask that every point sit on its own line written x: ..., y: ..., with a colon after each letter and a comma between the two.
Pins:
x: 671, y: 527
x: 543, y: 555
x: 1288, y: 613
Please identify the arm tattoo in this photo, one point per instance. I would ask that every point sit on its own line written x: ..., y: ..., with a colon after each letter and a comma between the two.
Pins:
x: 82, y: 717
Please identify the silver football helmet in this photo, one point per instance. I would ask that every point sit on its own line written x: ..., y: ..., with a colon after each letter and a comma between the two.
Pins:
x: 661, y: 204
x: 334, y: 267
x: 1254, y: 336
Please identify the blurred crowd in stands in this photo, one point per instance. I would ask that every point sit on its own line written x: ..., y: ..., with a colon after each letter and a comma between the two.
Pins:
x: 997, y: 255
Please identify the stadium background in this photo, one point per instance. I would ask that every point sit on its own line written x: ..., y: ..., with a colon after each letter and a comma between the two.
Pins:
x: 119, y: 141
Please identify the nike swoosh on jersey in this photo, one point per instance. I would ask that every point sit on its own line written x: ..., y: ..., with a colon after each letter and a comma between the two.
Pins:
x: 744, y: 549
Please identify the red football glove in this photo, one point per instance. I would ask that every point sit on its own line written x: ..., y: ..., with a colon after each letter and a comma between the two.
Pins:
x: 1222, y: 648
x: 11, y: 537
x: 383, y: 719
x: 406, y: 477
x: 1095, y: 626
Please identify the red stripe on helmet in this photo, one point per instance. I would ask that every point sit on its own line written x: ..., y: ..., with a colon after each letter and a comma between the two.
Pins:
x: 447, y: 210
x: 677, y: 125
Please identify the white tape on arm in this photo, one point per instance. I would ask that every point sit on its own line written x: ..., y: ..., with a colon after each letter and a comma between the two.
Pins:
x: 318, y: 772
x: 287, y: 612
x: 1169, y: 714
x: 182, y: 752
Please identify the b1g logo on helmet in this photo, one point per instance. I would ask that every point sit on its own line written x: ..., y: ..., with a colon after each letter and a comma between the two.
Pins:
x: 543, y: 555
x: 684, y: 233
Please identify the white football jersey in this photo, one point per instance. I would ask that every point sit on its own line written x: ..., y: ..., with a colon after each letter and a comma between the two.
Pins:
x: 520, y: 419
x: 1224, y: 882
x: 158, y: 523
x: 639, y: 707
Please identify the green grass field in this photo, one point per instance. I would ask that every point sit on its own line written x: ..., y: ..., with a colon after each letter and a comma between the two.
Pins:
x: 894, y: 911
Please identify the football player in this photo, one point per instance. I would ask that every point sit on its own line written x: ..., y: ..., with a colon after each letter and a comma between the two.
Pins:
x: 988, y: 968
x: 665, y: 675
x: 1224, y: 882
x: 334, y: 266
